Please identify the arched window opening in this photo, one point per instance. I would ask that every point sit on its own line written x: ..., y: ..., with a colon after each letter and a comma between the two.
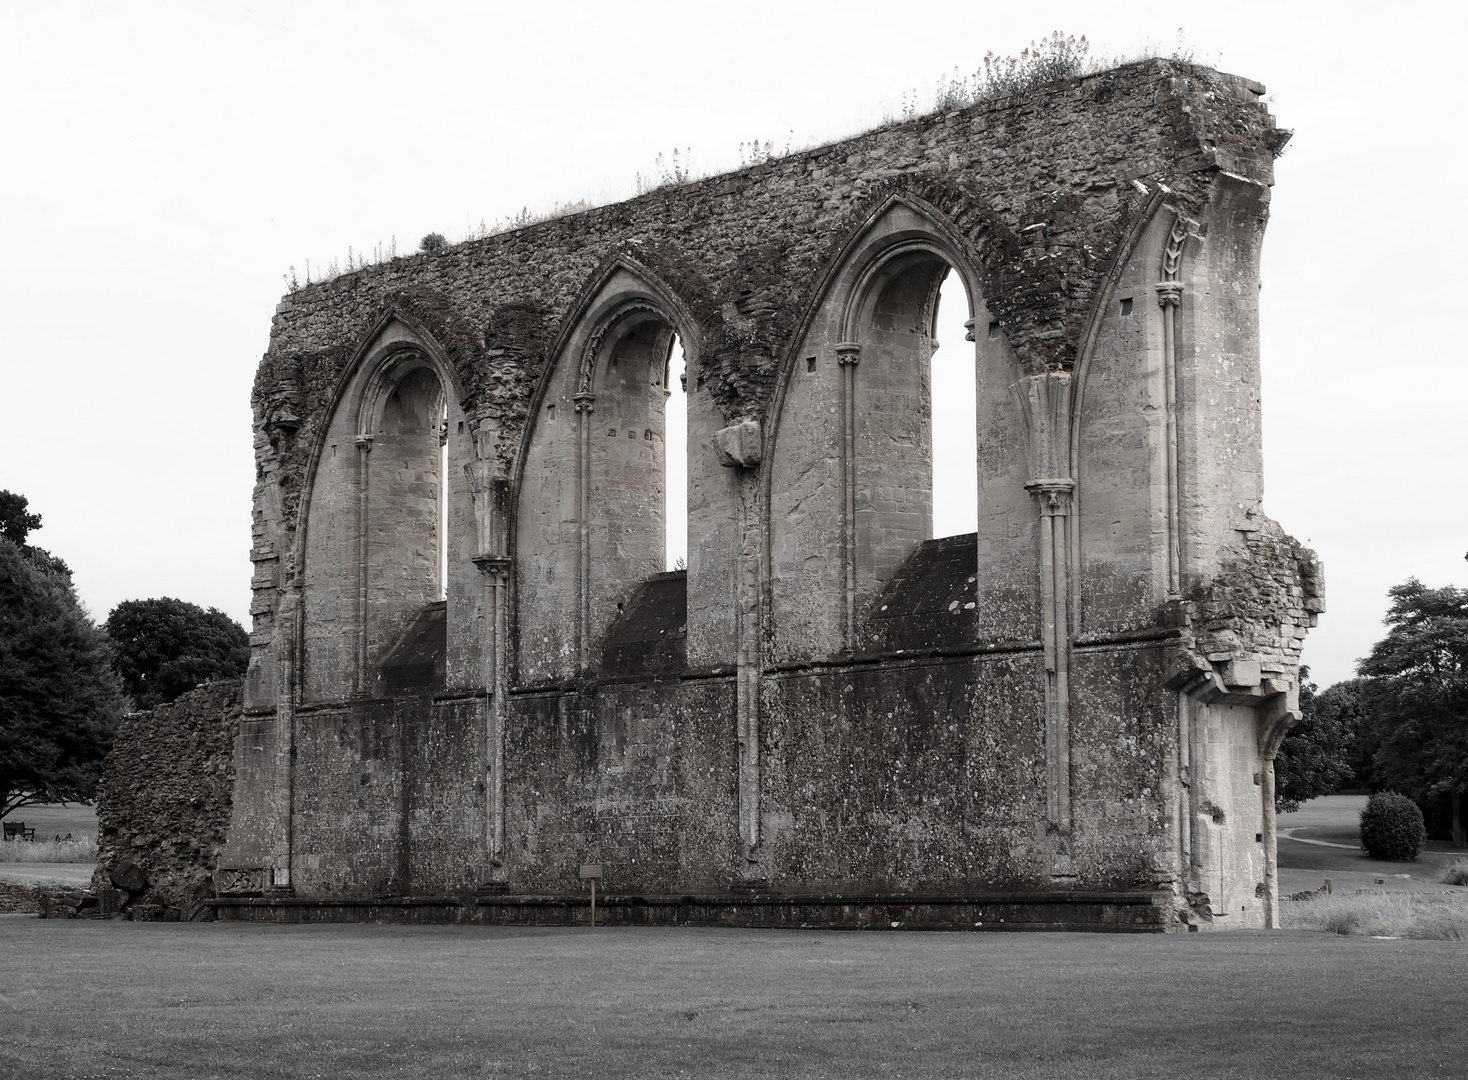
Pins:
x: 602, y: 508
x: 954, y: 414
x: 405, y: 504
x: 675, y: 460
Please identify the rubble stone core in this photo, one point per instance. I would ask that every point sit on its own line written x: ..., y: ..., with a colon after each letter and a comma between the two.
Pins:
x: 1066, y: 718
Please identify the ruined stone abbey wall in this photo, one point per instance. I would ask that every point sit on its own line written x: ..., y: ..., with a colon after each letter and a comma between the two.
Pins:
x: 1069, y: 715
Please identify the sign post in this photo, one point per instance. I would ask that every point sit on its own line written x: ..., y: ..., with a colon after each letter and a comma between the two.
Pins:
x: 592, y: 872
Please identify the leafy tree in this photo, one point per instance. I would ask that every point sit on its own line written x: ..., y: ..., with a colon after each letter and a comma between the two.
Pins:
x: 165, y: 647
x: 17, y: 522
x: 1315, y: 757
x: 1418, y: 695
x: 1347, y: 704
x: 60, y: 701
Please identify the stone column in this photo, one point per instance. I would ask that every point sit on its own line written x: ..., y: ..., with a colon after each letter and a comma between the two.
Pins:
x: 1054, y: 497
x: 490, y: 494
x: 848, y: 355
x: 584, y: 401
x: 1169, y: 296
x: 1280, y: 712
x: 361, y: 682
x: 1045, y: 398
x: 282, y: 848
x: 741, y: 446
x: 496, y: 570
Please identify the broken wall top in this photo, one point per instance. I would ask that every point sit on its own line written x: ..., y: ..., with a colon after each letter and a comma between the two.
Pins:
x: 1040, y: 191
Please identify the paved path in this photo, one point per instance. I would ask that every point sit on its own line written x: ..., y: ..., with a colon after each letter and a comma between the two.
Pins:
x: 1322, y: 841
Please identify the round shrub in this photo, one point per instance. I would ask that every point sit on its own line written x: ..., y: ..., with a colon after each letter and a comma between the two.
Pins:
x: 1392, y: 828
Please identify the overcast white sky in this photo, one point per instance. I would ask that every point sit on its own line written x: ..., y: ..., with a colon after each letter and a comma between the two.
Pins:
x: 165, y: 164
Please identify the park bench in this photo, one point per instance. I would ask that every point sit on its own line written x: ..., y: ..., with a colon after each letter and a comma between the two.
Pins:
x: 16, y: 830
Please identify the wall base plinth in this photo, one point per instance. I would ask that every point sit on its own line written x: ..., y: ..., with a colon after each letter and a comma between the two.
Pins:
x: 1123, y: 912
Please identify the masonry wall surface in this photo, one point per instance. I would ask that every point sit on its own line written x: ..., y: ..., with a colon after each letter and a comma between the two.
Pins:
x: 165, y: 805
x: 828, y: 717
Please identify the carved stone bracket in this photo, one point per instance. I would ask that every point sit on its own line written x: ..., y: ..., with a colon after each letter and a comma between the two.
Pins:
x: 1045, y: 401
x: 739, y: 446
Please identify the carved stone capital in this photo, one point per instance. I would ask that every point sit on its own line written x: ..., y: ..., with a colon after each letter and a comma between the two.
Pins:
x: 969, y: 333
x: 583, y: 401
x: 364, y: 442
x: 848, y: 352
x: 494, y: 567
x: 1169, y: 293
x: 1052, y: 493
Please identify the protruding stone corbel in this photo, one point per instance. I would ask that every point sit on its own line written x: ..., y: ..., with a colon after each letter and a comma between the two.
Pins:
x: 740, y: 446
x: 489, y: 493
x: 1045, y: 401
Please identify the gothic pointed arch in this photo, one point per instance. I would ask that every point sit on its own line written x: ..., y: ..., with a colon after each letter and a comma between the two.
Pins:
x: 385, y: 529
x: 588, y: 492
x: 850, y: 451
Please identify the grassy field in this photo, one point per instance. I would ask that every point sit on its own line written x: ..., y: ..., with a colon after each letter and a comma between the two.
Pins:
x: 93, y: 999
x: 82, y: 848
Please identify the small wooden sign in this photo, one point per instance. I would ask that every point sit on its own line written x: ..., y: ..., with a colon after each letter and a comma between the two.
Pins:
x: 591, y: 871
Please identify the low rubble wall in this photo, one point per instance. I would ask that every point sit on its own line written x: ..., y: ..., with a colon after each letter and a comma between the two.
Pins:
x: 163, y: 808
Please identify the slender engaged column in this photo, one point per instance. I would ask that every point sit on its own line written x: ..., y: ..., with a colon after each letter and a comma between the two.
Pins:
x: 1053, y: 495
x: 1169, y: 296
x: 848, y: 354
x: 496, y: 570
x: 360, y: 682
x: 583, y: 403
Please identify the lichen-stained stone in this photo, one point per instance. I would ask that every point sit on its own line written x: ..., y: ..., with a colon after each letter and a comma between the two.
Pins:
x: 473, y: 672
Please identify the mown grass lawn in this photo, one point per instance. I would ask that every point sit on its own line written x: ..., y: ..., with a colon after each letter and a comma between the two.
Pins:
x: 103, y: 999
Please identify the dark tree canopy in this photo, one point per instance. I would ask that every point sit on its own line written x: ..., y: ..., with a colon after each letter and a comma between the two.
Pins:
x: 165, y: 647
x: 1418, y: 695
x: 1315, y: 757
x: 60, y: 701
x: 16, y: 523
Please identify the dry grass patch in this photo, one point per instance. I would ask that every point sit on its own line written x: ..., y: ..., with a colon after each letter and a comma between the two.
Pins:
x: 1455, y: 873
x: 1437, y: 916
x: 82, y: 848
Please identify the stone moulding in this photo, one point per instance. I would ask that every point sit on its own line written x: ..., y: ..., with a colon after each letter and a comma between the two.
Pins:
x: 485, y: 429
x: 1122, y: 912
